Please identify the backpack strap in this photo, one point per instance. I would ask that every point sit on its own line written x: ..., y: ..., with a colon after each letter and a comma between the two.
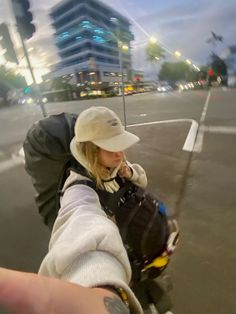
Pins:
x: 104, y: 196
x: 109, y: 201
x: 85, y: 182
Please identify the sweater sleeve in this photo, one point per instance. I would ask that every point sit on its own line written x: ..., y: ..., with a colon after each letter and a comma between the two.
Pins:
x: 139, y: 176
x: 86, y: 247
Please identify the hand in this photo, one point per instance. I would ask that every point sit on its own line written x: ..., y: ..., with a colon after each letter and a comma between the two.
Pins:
x: 26, y: 293
x: 125, y: 171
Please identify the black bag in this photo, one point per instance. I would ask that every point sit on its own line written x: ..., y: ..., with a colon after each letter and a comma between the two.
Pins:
x: 47, y: 157
x: 144, y: 228
x: 140, y: 217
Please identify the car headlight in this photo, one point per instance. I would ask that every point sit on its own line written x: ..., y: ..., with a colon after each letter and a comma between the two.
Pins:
x: 29, y: 100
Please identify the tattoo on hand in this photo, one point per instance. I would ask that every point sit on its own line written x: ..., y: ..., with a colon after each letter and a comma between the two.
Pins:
x: 115, y: 306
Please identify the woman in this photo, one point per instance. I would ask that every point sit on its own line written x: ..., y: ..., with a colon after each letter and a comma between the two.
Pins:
x: 85, y: 246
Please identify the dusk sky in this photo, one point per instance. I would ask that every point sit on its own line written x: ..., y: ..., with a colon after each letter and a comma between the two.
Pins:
x: 181, y: 25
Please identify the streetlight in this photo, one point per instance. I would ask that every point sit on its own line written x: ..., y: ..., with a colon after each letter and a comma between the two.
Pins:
x: 177, y: 54
x: 153, y: 40
x: 122, y: 47
x: 196, y: 68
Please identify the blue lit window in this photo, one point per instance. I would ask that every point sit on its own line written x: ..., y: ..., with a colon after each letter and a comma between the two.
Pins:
x: 99, y: 31
x: 99, y: 39
x: 65, y: 34
x: 86, y: 24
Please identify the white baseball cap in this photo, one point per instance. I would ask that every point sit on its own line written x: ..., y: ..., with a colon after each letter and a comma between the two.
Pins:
x: 102, y: 127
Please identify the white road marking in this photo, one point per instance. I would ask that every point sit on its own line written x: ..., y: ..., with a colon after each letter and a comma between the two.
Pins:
x: 16, y: 160
x: 200, y: 135
x: 204, y: 111
x: 193, y: 142
x: 159, y: 122
x: 190, y: 140
x: 10, y: 163
x: 21, y: 153
x: 220, y: 129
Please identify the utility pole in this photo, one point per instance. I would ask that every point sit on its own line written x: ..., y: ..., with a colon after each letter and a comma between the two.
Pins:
x: 122, y: 80
x: 118, y: 38
x: 26, y: 28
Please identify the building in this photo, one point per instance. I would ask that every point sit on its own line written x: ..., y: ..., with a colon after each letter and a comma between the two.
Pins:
x: 89, y: 36
x: 229, y: 57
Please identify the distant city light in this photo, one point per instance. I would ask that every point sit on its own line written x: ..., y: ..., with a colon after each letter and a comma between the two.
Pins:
x: 125, y: 47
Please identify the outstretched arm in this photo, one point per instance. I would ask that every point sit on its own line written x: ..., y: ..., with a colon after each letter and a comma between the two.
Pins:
x: 27, y: 293
x: 86, y: 247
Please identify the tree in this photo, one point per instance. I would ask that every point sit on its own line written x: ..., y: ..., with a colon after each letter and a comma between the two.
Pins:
x: 9, y: 81
x: 218, y: 68
x: 218, y: 65
x: 154, y: 52
x: 214, y: 39
x: 178, y: 71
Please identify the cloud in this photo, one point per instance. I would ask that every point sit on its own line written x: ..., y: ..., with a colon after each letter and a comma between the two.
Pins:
x: 186, y: 29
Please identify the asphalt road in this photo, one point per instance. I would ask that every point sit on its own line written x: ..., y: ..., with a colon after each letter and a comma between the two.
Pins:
x: 198, y: 186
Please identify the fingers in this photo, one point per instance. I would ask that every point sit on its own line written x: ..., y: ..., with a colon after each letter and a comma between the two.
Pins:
x: 125, y: 171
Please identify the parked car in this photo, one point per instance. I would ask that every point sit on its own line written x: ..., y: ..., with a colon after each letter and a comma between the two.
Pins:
x: 164, y: 87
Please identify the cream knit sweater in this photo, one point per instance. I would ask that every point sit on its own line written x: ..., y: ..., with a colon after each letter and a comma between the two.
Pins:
x: 85, y: 246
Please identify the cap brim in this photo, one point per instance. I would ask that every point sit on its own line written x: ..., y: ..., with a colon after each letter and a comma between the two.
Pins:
x: 117, y: 143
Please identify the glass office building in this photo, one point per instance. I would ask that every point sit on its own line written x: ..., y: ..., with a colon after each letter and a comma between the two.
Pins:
x: 88, y: 34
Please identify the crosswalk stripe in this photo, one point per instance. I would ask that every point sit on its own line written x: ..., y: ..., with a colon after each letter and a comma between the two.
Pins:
x: 220, y: 129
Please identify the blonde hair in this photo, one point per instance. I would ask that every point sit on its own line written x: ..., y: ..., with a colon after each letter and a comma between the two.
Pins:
x: 96, y: 169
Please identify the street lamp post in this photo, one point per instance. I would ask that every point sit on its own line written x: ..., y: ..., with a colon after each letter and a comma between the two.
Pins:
x: 121, y: 47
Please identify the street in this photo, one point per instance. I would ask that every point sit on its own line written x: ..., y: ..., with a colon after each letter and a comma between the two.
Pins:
x: 197, y: 184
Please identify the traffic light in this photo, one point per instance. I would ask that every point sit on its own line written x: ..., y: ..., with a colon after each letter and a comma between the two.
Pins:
x: 24, y: 18
x: 26, y: 90
x: 6, y: 44
x: 211, y: 72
